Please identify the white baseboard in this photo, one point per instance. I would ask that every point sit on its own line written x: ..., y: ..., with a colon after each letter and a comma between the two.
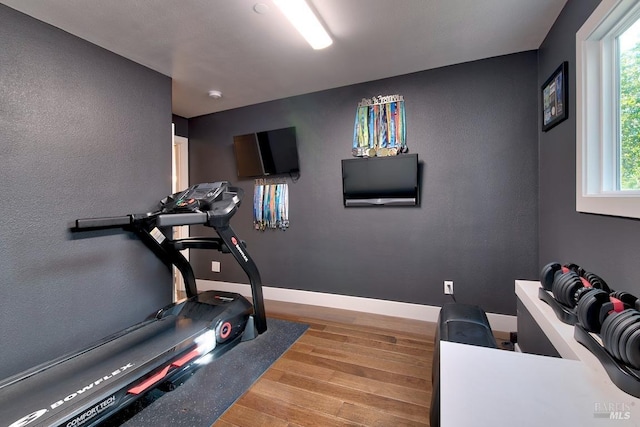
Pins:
x: 427, y: 313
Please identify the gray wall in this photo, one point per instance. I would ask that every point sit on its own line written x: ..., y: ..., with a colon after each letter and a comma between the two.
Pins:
x: 474, y: 128
x: 83, y: 133
x: 608, y: 246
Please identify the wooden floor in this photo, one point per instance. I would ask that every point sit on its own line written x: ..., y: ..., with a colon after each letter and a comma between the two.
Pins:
x: 348, y: 369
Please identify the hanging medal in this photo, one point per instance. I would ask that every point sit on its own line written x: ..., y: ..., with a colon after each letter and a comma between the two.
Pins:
x: 371, y: 148
x: 265, y: 207
x: 285, y: 208
x: 382, y: 132
x: 393, y: 113
x: 255, y: 197
x: 364, y: 129
x: 390, y: 129
x: 361, y: 131
x: 354, y: 150
x: 279, y: 206
x: 372, y: 132
x: 398, y: 127
x: 272, y: 207
x: 403, y: 125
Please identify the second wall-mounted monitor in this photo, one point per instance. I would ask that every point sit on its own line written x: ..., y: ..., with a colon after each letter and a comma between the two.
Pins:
x: 381, y: 181
x: 273, y: 152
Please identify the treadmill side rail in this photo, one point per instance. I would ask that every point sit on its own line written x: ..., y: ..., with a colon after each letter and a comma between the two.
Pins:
x: 246, y: 262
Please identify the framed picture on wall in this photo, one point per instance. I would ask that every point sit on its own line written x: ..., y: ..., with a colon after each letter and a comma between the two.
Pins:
x: 555, y: 97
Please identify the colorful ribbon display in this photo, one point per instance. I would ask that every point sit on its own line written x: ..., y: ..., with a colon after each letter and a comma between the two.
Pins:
x: 271, y: 206
x: 380, y: 127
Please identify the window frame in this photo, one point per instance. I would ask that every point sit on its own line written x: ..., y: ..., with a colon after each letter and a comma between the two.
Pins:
x: 597, y: 116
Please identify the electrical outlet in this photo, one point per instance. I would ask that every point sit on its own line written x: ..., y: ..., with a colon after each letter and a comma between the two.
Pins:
x: 448, y: 287
x: 215, y: 266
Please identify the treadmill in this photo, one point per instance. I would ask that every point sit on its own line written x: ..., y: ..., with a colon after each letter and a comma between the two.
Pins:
x: 87, y: 387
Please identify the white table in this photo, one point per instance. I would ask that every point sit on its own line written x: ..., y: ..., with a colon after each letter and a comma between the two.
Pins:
x: 489, y: 387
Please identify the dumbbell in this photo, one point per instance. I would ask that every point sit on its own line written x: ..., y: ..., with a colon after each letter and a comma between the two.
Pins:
x: 566, y: 283
x: 595, y: 281
x: 549, y: 271
x: 547, y: 274
x: 596, y: 301
x: 629, y: 300
x: 618, y: 319
x: 553, y: 277
x: 565, y: 286
x: 620, y: 335
x: 594, y: 305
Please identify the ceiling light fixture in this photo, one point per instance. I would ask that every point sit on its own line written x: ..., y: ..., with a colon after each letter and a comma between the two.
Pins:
x: 305, y: 21
x: 215, y: 94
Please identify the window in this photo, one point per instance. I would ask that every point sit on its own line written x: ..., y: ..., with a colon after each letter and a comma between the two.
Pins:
x: 608, y: 110
x: 629, y: 107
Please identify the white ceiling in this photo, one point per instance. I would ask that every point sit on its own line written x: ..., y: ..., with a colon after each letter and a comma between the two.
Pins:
x: 252, y: 58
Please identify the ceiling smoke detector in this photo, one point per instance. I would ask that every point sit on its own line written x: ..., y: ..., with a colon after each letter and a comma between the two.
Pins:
x: 260, y: 8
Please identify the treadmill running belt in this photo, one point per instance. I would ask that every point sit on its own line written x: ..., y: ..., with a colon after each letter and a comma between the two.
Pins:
x: 98, y: 373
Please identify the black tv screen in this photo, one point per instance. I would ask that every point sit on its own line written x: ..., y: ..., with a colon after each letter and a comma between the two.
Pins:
x: 248, y: 162
x: 273, y: 152
x: 381, y: 181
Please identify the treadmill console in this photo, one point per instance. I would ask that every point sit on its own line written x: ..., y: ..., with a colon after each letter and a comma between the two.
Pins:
x: 216, y: 197
x: 196, y: 198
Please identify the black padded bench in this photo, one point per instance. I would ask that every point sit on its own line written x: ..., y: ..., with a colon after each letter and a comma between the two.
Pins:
x: 460, y: 323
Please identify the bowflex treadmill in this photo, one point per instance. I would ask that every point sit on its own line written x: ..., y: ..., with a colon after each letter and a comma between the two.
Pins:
x: 87, y: 387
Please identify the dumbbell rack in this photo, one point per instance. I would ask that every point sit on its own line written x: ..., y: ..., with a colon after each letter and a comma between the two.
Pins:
x: 624, y: 377
x: 564, y: 314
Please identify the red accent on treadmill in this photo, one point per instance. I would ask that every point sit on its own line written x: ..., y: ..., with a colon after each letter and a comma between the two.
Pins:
x: 150, y: 381
x: 163, y: 372
x: 187, y: 357
x: 565, y: 269
x: 225, y: 330
x: 585, y: 283
x: 234, y: 240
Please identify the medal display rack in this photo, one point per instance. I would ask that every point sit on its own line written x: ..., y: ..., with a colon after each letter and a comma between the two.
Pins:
x: 271, y: 204
x: 270, y: 181
x: 380, y: 127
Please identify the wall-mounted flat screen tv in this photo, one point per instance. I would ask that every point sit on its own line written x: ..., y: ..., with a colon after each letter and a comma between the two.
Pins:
x: 273, y: 152
x: 381, y: 181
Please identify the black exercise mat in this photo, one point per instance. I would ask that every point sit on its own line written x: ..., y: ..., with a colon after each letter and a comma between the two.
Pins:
x: 215, y: 387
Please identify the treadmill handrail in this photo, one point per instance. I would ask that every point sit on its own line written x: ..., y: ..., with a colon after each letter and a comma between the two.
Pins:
x: 217, y: 215
x: 104, y: 222
x: 178, y: 219
x: 214, y: 243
